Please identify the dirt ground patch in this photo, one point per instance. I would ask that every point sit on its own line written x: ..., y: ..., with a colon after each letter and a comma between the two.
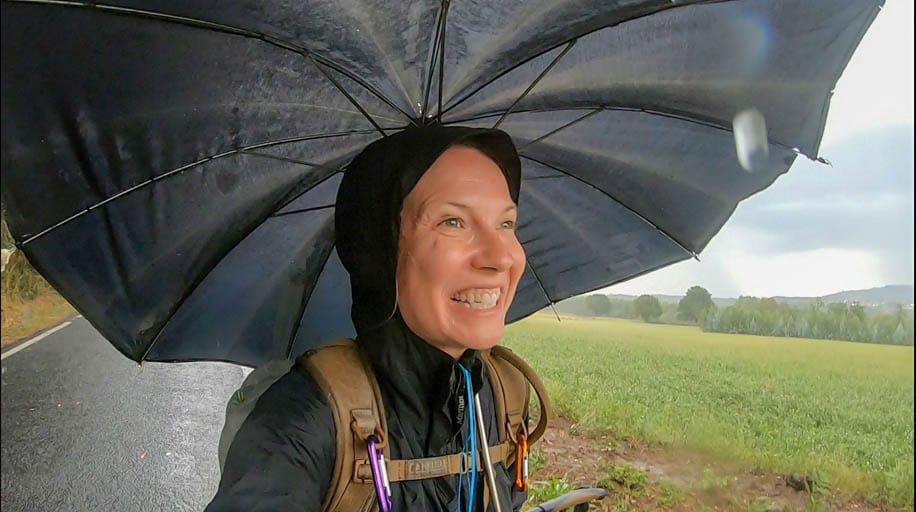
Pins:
x: 675, y: 479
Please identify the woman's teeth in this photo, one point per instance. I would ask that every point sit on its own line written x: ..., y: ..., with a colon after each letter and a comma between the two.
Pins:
x: 478, y: 299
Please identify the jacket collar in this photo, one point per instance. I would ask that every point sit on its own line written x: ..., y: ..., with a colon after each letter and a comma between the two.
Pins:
x: 420, y: 376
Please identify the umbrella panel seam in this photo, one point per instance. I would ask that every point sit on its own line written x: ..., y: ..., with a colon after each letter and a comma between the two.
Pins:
x: 432, y: 62
x: 537, y: 279
x: 535, y: 82
x: 191, y: 289
x: 680, y: 116
x: 445, y: 6
x: 307, y: 298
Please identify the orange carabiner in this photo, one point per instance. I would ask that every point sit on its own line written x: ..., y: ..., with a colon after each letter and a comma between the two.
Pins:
x: 521, y: 461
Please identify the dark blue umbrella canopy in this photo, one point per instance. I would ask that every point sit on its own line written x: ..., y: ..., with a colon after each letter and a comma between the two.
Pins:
x: 171, y: 166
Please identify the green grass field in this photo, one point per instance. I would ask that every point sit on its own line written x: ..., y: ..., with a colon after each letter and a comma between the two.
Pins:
x: 841, y: 411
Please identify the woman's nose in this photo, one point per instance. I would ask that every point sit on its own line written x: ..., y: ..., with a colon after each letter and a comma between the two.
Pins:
x: 493, y: 251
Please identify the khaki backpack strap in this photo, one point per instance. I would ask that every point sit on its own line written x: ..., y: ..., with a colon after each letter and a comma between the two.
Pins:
x: 434, y: 467
x: 511, y: 377
x: 352, y: 392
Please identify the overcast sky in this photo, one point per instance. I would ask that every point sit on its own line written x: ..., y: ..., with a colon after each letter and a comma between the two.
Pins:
x: 820, y: 229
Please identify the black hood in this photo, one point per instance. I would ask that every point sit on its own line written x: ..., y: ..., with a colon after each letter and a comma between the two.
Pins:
x: 369, y: 200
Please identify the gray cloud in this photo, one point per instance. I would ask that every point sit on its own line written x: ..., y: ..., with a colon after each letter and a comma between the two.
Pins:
x: 863, y: 202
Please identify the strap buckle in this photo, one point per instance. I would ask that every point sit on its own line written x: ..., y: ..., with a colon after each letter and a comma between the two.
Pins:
x: 465, y: 461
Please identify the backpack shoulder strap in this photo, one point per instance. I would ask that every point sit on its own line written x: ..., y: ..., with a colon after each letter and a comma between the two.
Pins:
x: 349, y: 385
x: 511, y: 376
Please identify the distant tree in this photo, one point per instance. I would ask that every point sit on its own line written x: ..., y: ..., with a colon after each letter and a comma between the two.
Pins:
x: 695, y: 304
x: 648, y: 308
x: 899, y: 335
x: 817, y: 305
x: 769, y: 304
x: 599, y: 305
x: 838, y: 309
x: 858, y: 311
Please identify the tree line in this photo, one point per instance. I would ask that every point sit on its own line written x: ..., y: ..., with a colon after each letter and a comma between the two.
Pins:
x: 759, y: 316
x: 833, y: 321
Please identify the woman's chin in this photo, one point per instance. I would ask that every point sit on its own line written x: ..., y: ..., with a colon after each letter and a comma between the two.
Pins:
x: 482, y: 341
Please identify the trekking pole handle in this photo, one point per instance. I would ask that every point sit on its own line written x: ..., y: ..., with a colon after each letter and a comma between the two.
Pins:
x: 571, y: 499
x: 488, y: 464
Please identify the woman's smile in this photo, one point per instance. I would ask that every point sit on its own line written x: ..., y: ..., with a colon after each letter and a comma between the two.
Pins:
x: 478, y: 298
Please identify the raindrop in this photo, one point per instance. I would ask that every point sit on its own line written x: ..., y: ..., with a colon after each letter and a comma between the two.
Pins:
x: 751, y: 143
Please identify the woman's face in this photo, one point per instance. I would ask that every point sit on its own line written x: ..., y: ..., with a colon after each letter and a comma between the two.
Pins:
x: 459, y: 260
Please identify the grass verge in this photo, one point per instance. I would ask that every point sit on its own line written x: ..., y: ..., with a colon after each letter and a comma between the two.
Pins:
x: 27, y: 301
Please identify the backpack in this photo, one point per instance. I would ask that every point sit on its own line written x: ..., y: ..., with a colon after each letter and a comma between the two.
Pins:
x: 346, y: 377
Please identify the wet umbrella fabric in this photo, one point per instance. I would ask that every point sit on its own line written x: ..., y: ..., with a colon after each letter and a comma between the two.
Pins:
x: 171, y: 167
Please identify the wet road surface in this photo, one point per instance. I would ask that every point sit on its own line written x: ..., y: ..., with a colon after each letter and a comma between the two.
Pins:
x: 86, y: 429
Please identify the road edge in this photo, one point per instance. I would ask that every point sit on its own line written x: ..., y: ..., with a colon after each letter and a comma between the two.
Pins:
x: 19, y: 344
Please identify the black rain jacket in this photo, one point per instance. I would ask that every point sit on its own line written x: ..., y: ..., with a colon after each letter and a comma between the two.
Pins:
x: 282, y: 457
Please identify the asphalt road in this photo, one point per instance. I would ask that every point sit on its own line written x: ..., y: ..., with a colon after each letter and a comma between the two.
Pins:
x: 86, y: 429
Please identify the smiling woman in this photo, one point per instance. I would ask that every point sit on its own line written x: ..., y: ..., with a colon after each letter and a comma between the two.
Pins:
x: 425, y: 225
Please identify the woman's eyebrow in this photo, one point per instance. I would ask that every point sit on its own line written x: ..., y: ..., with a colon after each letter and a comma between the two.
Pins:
x: 466, y: 207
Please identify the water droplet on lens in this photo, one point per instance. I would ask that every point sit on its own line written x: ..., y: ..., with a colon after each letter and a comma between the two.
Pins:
x: 751, y: 144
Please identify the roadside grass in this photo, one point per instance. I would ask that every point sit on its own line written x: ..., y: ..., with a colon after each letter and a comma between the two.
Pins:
x: 841, y: 411
x: 542, y: 491
x: 628, y: 480
x: 670, y: 494
x: 28, y: 304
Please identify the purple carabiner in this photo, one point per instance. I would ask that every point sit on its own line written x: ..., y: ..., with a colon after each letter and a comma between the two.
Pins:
x: 379, y: 474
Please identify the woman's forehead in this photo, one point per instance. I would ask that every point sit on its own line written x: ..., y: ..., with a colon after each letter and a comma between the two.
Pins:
x: 463, y: 190
x: 459, y: 168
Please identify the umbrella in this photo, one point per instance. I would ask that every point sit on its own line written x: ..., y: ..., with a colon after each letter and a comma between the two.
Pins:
x: 170, y: 166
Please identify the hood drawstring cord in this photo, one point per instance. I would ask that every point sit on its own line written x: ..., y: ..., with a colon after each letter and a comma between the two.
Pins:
x: 471, y: 444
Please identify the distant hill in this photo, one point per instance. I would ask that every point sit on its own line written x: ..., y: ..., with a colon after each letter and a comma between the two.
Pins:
x: 674, y: 299
x: 890, y: 294
x: 894, y: 293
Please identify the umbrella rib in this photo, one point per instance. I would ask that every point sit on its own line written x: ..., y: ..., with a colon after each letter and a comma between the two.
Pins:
x: 537, y: 278
x: 667, y: 235
x: 286, y: 202
x: 432, y: 62
x: 220, y: 27
x: 333, y: 172
x: 289, y: 160
x: 573, y: 39
x: 183, y: 168
x: 365, y: 85
x: 445, y: 4
x: 562, y: 127
x: 349, y: 97
x: 306, y: 299
x: 303, y: 210
x: 709, y: 123
x: 534, y: 83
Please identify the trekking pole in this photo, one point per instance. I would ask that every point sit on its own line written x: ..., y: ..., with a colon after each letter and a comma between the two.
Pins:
x: 488, y: 465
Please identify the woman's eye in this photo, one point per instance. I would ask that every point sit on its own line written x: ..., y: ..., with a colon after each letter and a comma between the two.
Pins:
x: 509, y: 224
x: 451, y: 223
